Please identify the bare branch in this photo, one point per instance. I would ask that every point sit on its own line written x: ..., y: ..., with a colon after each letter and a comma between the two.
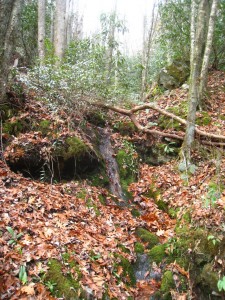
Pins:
x: 131, y: 114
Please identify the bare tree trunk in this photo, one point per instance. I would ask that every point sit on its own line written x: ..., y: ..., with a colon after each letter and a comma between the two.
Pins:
x: 196, y: 62
x: 41, y: 30
x: 51, y: 37
x: 111, y: 45
x: 60, y: 28
x: 147, y: 50
x: 208, y: 49
x: 69, y: 20
x: 193, y: 29
x: 9, y: 11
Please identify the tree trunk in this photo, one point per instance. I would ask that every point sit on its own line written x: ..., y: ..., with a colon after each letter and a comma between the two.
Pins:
x: 111, y: 46
x: 9, y: 11
x: 200, y: 43
x: 196, y: 62
x: 60, y: 28
x: 208, y: 49
x: 147, y: 45
x: 41, y: 30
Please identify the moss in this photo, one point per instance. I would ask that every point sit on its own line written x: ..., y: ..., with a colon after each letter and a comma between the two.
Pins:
x: 196, y: 240
x: 7, y: 112
x: 193, y: 249
x: 147, y: 237
x: 76, y: 147
x: 82, y: 194
x: 178, y: 110
x: 187, y: 217
x: 157, y: 253
x: 167, y: 284
x: 44, y: 126
x: 204, y: 119
x: 128, y: 274
x: 125, y: 128
x: 65, y: 286
x: 102, y: 199
x: 128, y: 165
x: 91, y: 204
x: 152, y: 192
x: 72, y: 147
x: 98, y: 118
x: 99, y: 177
x: 169, y: 123
x: 135, y: 213
x: 123, y: 248
x: 209, y: 277
x: 172, y: 212
x: 139, y: 248
x: 162, y: 205
x: 13, y: 127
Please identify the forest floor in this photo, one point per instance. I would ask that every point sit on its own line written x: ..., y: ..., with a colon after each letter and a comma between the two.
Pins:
x: 82, y: 227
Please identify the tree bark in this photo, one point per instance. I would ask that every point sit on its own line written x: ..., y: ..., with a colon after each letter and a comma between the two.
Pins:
x: 197, y: 46
x: 147, y: 45
x: 9, y: 11
x: 60, y: 28
x: 41, y: 30
x: 208, y: 49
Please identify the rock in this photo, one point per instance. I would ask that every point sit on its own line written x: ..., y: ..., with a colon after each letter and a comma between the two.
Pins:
x: 173, y: 75
x: 185, y: 86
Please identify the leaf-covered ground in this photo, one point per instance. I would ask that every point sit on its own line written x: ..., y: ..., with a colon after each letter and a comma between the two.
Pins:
x: 84, y: 221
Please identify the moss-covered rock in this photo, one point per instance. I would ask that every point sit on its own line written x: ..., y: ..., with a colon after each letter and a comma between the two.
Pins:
x: 63, y: 285
x: 203, y: 249
x: 147, y: 237
x: 173, y: 75
x: 76, y: 147
x: 158, y: 253
x: 209, y: 278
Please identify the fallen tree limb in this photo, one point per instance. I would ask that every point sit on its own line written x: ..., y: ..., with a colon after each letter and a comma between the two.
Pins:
x: 131, y: 114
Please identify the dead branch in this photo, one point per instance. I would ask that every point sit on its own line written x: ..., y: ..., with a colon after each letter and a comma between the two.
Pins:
x: 131, y: 114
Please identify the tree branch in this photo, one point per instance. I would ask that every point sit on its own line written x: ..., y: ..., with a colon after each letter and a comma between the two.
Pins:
x: 131, y: 114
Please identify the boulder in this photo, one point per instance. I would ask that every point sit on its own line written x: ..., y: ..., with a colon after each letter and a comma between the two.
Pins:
x: 173, y: 75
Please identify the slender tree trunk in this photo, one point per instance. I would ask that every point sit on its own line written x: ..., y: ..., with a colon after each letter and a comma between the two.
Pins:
x: 147, y: 50
x: 41, y: 30
x: 196, y: 61
x: 208, y: 49
x: 111, y: 46
x: 9, y: 11
x: 60, y: 28
x: 193, y: 29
